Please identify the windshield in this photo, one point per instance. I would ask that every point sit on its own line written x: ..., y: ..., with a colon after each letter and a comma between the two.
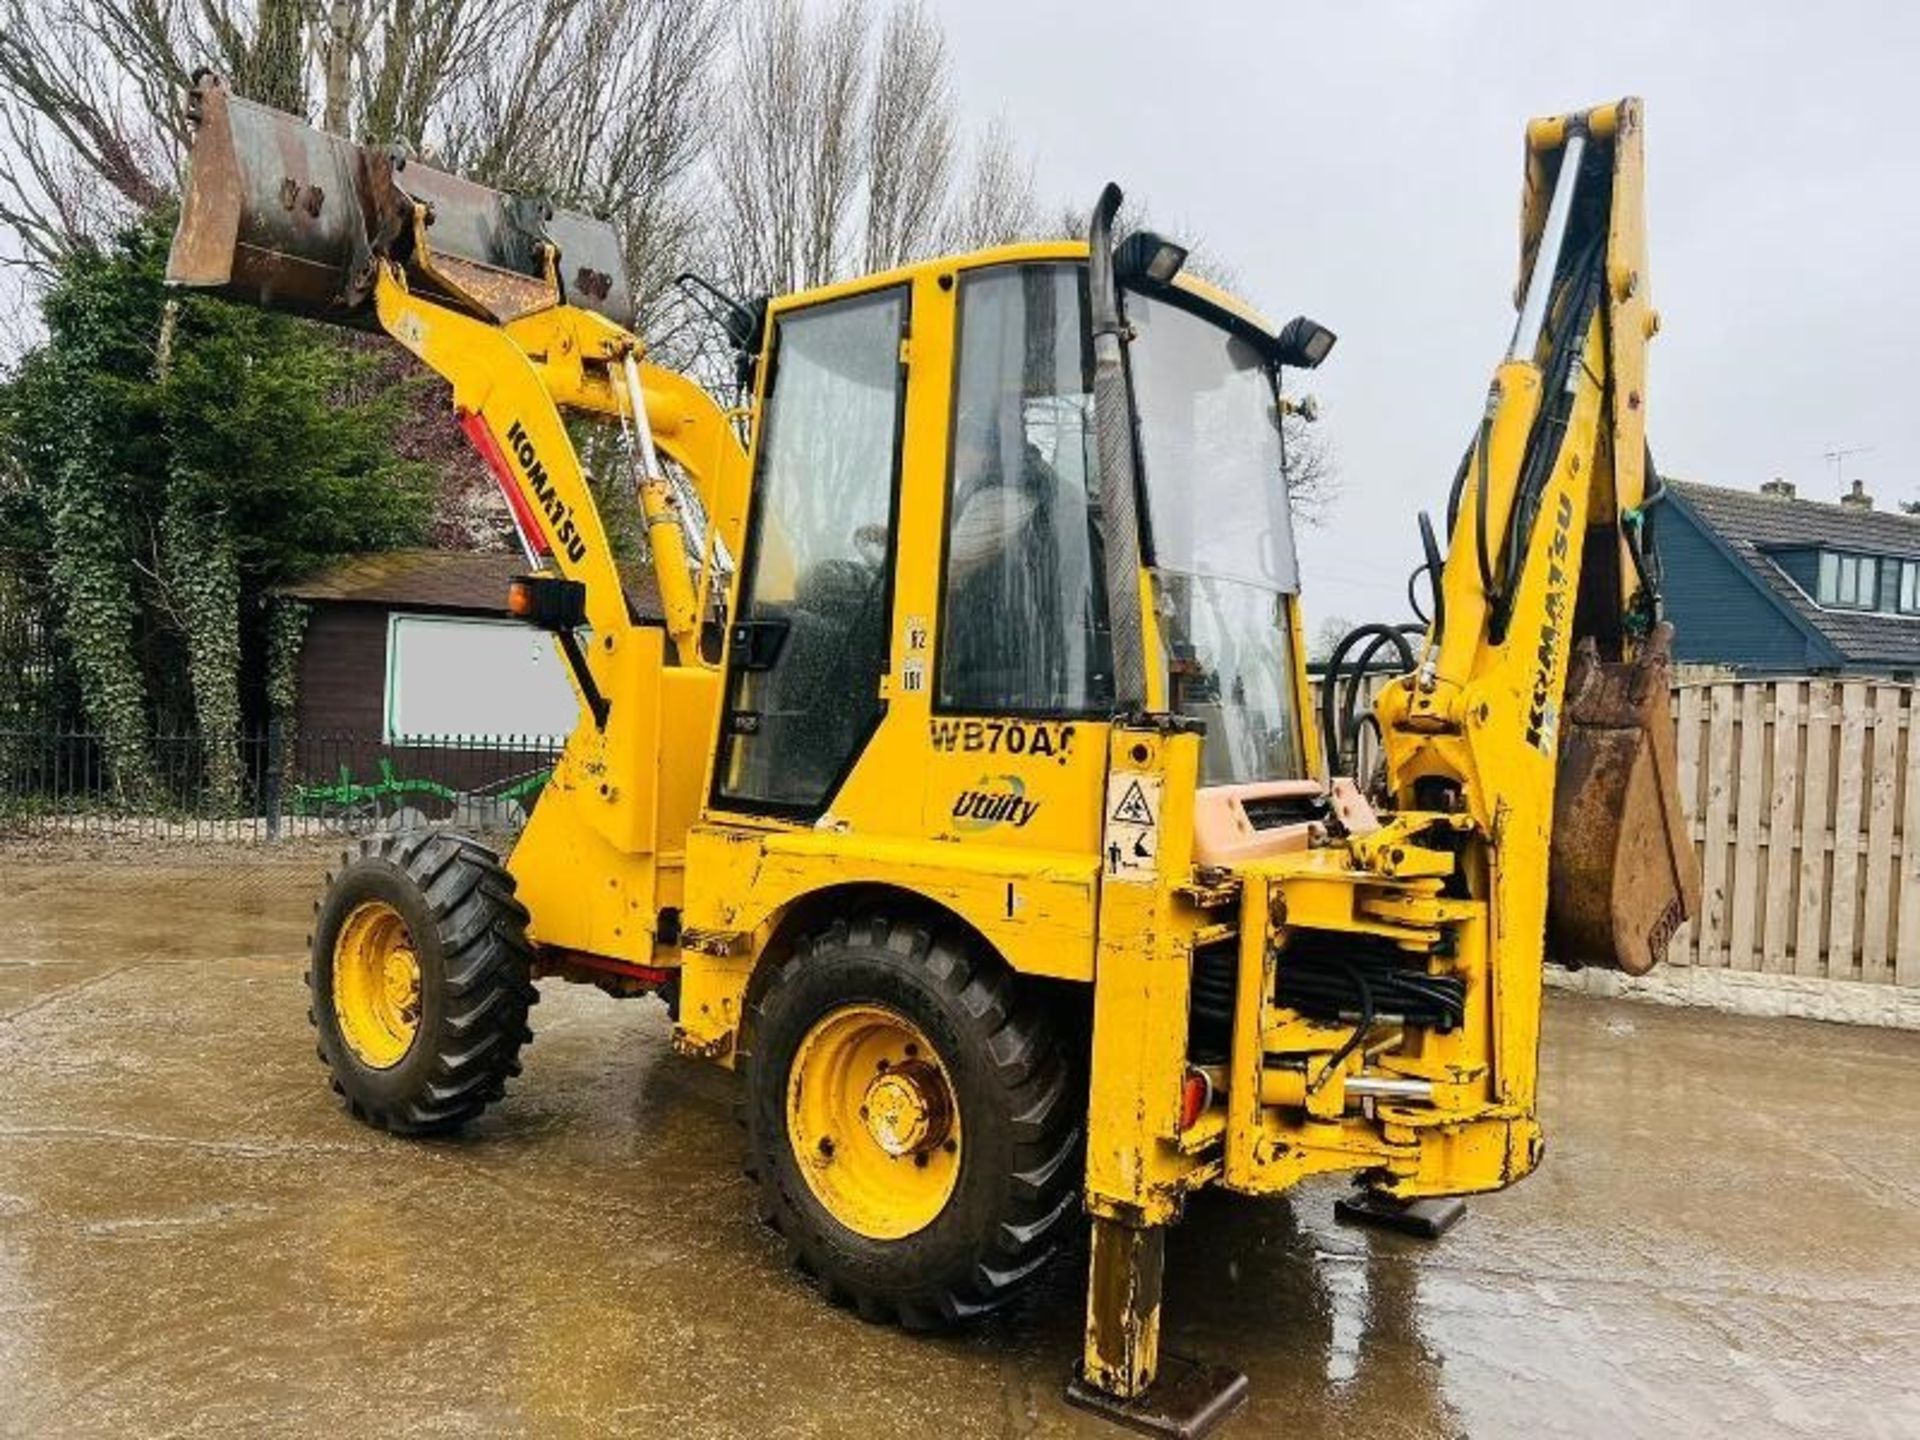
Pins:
x: 1220, y: 537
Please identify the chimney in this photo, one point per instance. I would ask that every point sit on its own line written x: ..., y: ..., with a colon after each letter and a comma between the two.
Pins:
x: 1778, y: 488
x: 1857, y: 498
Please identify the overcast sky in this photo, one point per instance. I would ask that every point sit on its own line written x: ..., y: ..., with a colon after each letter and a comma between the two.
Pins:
x: 1360, y: 162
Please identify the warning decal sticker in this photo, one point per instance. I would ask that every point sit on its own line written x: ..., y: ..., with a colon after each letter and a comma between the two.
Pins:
x: 1131, y: 849
x: 1133, y: 808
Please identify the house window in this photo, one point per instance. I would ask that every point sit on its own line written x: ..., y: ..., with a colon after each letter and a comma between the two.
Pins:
x: 1849, y: 581
x: 1909, y: 602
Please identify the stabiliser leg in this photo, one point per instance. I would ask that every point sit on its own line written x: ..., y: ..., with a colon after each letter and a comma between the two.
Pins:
x: 1427, y: 1219
x: 1123, y: 1376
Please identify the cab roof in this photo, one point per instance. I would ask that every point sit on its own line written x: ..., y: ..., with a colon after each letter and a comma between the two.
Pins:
x: 1021, y: 252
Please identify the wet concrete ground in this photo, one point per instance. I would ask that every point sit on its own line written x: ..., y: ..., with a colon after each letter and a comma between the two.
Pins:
x: 194, y: 1239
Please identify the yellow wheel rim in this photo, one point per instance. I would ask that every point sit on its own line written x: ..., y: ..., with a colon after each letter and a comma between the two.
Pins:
x: 873, y: 1123
x: 376, y: 985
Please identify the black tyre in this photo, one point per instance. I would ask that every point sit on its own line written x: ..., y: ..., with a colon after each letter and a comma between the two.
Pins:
x: 913, y: 1125
x: 420, y: 980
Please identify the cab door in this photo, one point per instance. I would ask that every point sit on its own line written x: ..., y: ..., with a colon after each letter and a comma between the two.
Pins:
x: 808, y: 647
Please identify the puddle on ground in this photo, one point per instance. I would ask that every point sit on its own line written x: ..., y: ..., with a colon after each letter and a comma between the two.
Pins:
x: 1723, y: 1238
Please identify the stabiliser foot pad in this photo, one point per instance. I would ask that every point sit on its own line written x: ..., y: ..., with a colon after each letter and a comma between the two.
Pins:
x: 1428, y: 1219
x: 1186, y: 1400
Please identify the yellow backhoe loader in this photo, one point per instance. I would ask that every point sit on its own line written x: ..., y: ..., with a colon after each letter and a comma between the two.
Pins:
x: 961, y: 791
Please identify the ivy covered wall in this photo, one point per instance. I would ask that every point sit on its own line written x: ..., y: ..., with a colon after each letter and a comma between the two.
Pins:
x: 165, y: 459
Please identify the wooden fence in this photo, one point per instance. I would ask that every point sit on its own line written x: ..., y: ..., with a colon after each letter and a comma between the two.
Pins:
x: 1800, y: 795
x: 1801, y: 799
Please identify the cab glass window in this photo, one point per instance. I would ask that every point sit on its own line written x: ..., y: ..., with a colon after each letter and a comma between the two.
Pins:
x: 810, y: 643
x: 1220, y: 536
x: 1023, y: 625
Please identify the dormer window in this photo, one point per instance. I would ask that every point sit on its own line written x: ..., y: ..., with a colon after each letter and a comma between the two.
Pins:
x: 1849, y: 582
x: 1868, y: 582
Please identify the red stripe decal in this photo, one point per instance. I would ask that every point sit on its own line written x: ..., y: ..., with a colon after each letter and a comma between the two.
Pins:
x: 481, y: 438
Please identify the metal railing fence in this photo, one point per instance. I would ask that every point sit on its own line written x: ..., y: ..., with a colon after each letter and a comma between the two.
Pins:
x: 265, y: 784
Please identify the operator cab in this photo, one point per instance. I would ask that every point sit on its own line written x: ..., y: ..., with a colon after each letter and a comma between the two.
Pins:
x: 1021, y: 626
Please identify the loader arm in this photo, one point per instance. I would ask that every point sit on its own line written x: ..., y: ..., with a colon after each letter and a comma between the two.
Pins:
x: 520, y: 306
x: 511, y: 384
x: 523, y: 309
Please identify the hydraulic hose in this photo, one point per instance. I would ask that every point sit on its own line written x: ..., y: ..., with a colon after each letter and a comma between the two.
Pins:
x: 1487, y: 583
x: 1434, y: 566
x: 1413, y: 593
x: 1357, y: 670
x: 1360, y: 1028
x: 1580, y: 296
x: 1637, y: 526
x: 1323, y: 986
x: 1331, y: 727
x: 1459, y: 486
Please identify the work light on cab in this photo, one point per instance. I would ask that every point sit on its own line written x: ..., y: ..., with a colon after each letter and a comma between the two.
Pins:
x: 1146, y: 256
x: 1304, y: 343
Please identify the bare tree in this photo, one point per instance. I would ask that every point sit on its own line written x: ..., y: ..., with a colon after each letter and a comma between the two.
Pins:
x: 1327, y: 636
x: 602, y: 104
x: 840, y: 147
x: 411, y: 55
x: 90, y: 94
x: 1313, y: 474
x: 832, y: 164
x: 909, y: 159
x: 79, y: 148
x: 789, y: 161
x: 996, y: 203
x: 336, y: 41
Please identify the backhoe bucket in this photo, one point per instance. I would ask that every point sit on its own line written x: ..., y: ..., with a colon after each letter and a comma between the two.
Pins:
x: 1623, y: 877
x: 287, y: 217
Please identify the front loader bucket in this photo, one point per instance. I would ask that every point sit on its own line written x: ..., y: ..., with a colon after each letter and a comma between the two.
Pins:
x: 1623, y: 877
x: 282, y: 215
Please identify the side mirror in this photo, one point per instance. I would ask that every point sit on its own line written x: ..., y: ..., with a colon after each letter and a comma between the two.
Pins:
x: 1303, y: 342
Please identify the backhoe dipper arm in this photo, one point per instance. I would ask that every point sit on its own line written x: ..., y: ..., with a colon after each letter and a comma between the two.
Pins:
x: 1535, y: 452
x: 1546, y: 550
